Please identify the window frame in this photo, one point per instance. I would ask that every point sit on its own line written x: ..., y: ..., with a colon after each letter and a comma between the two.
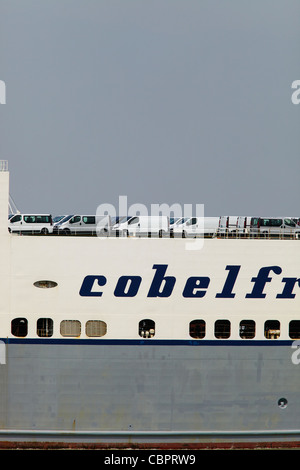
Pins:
x: 224, y: 324
x: 70, y: 324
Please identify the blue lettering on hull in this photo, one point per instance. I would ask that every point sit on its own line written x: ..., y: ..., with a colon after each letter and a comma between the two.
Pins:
x: 195, y: 286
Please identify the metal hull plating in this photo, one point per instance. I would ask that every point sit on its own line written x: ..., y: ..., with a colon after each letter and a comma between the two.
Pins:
x: 167, y: 392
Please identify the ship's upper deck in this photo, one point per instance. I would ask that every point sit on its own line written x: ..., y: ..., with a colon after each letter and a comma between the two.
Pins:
x: 131, y: 288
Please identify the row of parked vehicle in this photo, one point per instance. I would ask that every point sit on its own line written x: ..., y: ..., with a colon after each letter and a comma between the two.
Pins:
x: 259, y: 226
x: 119, y: 226
x: 161, y: 226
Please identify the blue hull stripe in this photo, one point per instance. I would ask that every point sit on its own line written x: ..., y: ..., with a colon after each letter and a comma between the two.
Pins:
x: 149, y: 342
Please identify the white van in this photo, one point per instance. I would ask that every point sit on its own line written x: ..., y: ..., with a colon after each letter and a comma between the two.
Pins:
x: 243, y: 225
x: 144, y: 226
x: 31, y: 223
x: 274, y: 226
x: 227, y: 225
x: 58, y: 224
x: 173, y: 221
x: 117, y: 221
x: 196, y: 227
x: 84, y: 225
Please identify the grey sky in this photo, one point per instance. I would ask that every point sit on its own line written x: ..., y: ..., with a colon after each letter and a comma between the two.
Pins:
x: 164, y: 101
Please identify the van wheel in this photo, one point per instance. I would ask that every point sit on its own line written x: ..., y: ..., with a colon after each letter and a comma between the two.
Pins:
x: 183, y: 234
x: 160, y: 234
x: 44, y: 231
x: 66, y: 231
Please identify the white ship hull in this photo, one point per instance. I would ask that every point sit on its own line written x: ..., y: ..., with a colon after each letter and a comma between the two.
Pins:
x: 167, y: 388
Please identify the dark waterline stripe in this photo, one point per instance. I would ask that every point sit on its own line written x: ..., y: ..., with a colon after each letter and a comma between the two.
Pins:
x: 149, y: 342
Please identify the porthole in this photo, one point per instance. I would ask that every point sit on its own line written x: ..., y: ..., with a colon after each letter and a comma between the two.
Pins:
x: 272, y: 329
x: 197, y: 329
x: 282, y: 403
x: 45, y: 284
x: 247, y: 329
x: 222, y: 329
x: 147, y: 328
x: 44, y: 327
x: 19, y: 327
x: 294, y: 329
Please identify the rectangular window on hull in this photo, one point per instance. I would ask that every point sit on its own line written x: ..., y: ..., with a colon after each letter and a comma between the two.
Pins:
x: 272, y: 329
x: 247, y: 329
x: 95, y: 328
x: 44, y: 327
x: 222, y: 329
x: 70, y: 328
x: 19, y: 327
x: 294, y: 329
x: 197, y: 329
x: 147, y: 328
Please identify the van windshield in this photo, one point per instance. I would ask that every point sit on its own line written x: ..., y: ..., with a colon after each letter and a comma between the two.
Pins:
x: 181, y: 221
x: 65, y: 219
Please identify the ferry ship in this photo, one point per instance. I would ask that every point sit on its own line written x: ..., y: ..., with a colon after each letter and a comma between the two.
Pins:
x: 147, y: 341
